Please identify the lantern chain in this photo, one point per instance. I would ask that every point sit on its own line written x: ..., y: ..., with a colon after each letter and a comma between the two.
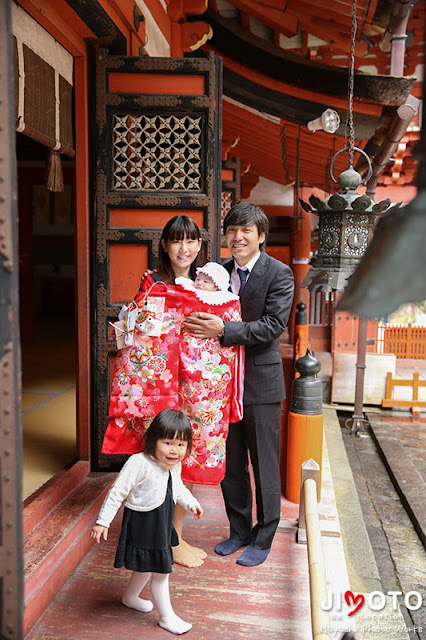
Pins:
x: 350, y: 119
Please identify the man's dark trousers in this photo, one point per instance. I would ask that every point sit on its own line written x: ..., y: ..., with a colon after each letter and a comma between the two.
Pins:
x: 258, y: 432
x: 265, y: 308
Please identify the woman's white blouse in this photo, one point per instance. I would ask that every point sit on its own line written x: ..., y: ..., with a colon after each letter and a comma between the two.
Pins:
x: 142, y: 486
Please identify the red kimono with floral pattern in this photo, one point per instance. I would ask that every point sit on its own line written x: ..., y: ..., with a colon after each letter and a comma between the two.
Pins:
x: 176, y: 370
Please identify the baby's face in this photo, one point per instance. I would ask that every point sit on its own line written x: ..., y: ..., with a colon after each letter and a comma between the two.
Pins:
x: 204, y: 282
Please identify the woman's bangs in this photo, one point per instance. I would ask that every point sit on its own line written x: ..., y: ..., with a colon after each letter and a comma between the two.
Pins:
x: 184, y: 229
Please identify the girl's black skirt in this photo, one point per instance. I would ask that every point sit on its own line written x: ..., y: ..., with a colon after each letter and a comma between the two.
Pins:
x: 147, y: 538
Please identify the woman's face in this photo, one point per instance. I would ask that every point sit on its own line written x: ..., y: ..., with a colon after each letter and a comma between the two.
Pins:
x: 182, y: 254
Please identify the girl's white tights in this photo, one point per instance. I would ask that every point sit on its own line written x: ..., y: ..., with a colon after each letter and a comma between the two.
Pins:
x: 131, y: 595
x: 161, y: 596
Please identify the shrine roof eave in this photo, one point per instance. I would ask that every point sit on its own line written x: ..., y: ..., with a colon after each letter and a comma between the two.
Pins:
x: 289, y: 108
x: 236, y: 43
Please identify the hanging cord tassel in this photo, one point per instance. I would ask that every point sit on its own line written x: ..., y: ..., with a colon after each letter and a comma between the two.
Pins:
x: 55, y: 179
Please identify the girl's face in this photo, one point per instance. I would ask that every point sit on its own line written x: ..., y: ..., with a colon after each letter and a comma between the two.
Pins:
x: 170, y: 451
x: 182, y: 254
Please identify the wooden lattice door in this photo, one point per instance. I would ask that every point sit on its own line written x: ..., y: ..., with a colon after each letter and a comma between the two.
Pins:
x: 157, y: 154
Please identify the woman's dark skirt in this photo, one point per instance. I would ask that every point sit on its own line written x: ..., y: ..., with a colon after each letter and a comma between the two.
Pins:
x: 147, y: 538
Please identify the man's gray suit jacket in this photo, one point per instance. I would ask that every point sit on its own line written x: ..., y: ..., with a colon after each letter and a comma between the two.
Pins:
x: 265, y: 308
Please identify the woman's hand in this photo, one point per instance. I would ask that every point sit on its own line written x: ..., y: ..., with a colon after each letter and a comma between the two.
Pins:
x: 198, y: 512
x: 148, y: 272
x: 204, y: 325
x: 98, y: 532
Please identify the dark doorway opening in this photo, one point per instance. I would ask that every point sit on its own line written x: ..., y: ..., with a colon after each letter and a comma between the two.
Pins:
x: 47, y: 316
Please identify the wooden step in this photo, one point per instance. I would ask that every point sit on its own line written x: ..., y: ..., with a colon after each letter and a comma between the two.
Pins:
x: 38, y: 505
x: 60, y: 538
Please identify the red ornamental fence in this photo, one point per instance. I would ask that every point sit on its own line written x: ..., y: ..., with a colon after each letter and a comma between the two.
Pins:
x: 404, y: 340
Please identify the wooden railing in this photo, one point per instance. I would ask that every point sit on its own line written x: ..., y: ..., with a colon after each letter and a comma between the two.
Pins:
x: 309, y: 532
x: 414, y: 403
x: 404, y: 340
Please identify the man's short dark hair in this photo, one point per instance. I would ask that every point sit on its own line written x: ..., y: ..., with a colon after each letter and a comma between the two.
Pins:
x: 246, y: 214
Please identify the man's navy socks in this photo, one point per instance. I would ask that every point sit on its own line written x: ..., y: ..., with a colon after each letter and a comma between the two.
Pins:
x: 226, y: 547
x: 251, y: 557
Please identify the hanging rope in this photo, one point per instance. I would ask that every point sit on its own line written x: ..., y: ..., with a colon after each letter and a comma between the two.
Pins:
x: 350, y: 121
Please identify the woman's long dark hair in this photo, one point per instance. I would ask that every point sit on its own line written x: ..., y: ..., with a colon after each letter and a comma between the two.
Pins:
x: 177, y: 228
x: 168, y: 424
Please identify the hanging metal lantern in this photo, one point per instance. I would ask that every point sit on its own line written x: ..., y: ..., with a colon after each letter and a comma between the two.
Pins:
x: 393, y: 269
x: 346, y: 222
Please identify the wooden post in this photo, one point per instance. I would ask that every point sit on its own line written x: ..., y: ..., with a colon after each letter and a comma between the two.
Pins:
x: 409, y: 347
x: 310, y: 469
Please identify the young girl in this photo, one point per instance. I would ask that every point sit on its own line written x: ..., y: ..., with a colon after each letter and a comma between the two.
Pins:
x: 150, y: 484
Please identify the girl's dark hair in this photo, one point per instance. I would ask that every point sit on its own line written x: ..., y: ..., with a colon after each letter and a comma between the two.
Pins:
x: 168, y: 424
x: 177, y: 228
x: 247, y: 214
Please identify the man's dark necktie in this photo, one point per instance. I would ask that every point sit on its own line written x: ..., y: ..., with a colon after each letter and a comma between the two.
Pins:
x: 243, y: 273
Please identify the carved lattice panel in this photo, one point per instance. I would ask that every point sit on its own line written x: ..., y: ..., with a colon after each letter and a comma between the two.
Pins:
x: 158, y: 152
x: 226, y: 204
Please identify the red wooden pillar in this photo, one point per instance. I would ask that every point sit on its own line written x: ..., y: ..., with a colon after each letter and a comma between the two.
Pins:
x: 300, y: 254
x: 82, y: 257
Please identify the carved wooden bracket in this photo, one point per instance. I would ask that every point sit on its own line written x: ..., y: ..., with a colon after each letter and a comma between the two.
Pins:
x: 194, y: 34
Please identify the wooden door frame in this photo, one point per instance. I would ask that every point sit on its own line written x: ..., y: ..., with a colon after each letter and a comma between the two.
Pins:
x: 11, y: 556
x: 113, y: 99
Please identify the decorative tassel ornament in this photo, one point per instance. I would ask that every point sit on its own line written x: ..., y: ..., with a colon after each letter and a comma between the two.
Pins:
x: 55, y: 180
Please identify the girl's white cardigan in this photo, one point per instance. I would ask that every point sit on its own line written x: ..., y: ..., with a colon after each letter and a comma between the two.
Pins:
x: 142, y: 486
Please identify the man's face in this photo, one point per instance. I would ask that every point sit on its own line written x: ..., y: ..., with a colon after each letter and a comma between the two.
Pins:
x: 243, y: 242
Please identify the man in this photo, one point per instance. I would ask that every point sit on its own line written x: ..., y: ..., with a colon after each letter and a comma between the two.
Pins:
x: 265, y: 287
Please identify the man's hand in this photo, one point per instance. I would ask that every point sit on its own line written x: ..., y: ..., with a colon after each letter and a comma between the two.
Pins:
x: 204, y: 325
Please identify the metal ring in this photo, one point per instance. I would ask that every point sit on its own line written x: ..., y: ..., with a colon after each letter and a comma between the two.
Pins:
x: 369, y: 172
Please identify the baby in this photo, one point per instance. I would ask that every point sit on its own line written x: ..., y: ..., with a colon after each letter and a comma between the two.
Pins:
x: 211, y: 277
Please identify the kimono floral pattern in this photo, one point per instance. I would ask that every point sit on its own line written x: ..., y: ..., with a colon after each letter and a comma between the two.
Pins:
x: 176, y: 370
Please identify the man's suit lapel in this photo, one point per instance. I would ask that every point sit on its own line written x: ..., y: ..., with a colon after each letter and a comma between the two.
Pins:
x: 254, y: 282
